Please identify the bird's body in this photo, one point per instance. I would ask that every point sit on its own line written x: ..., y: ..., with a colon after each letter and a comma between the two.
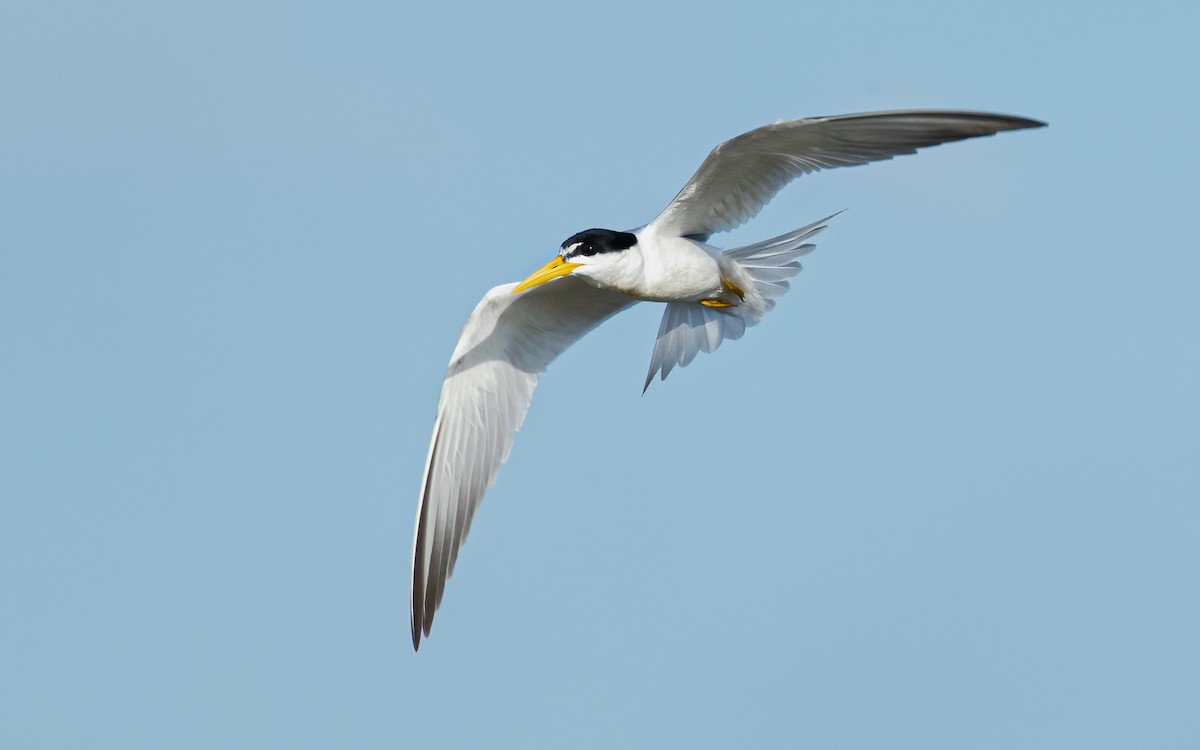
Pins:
x: 670, y: 269
x: 711, y: 295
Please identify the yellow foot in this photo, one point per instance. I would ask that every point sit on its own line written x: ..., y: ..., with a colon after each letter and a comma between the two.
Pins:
x: 733, y: 288
x: 715, y: 303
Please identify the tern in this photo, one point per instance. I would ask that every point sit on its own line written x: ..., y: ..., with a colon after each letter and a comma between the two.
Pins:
x: 711, y: 295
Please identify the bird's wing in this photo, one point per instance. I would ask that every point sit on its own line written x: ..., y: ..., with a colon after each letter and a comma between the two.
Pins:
x: 741, y: 175
x: 503, y: 349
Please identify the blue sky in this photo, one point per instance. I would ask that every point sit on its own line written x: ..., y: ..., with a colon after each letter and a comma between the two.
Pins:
x: 946, y: 496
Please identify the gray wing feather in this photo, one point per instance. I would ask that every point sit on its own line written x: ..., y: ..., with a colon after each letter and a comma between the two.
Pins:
x: 503, y: 349
x: 741, y: 175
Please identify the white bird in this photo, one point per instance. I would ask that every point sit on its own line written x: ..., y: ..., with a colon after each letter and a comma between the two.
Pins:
x: 711, y: 295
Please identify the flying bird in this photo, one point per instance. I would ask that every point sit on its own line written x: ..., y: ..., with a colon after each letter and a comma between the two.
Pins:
x: 711, y: 295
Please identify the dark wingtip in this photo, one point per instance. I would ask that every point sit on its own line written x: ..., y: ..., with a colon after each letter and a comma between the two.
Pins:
x: 999, y: 123
x: 416, y: 602
x: 416, y: 596
x: 1028, y: 122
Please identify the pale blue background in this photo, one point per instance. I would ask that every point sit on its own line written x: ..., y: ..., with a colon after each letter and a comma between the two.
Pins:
x: 946, y: 496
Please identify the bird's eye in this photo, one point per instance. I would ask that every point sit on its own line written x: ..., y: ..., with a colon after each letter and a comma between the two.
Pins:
x: 588, y: 249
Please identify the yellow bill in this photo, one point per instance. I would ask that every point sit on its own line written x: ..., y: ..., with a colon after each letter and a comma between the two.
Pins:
x: 552, y: 270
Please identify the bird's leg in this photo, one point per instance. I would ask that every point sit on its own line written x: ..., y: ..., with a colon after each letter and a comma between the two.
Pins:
x: 722, y: 303
x: 733, y: 288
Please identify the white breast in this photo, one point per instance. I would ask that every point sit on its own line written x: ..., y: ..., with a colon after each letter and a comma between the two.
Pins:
x: 676, y: 269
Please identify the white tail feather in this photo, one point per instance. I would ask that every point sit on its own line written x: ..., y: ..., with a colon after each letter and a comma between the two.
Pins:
x: 761, y: 269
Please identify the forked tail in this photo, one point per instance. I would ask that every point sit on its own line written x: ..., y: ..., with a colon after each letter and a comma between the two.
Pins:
x: 760, y: 270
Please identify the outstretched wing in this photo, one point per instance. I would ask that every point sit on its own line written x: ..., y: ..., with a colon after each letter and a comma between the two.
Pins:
x: 741, y: 175
x: 503, y: 349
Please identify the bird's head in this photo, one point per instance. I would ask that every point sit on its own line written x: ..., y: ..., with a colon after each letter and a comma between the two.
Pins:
x: 602, y: 257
